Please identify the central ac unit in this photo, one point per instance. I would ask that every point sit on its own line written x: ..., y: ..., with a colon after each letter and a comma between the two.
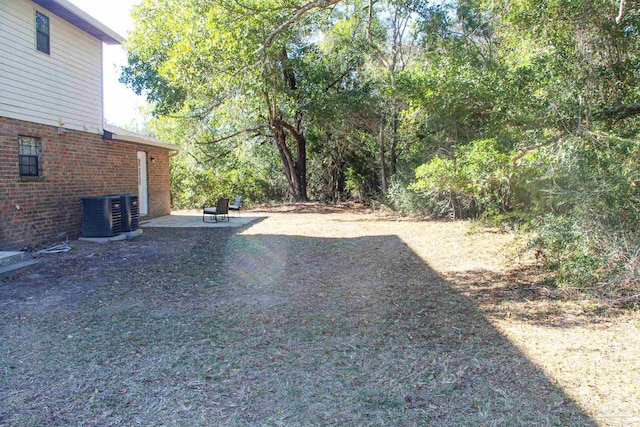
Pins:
x: 130, y: 212
x: 101, y: 216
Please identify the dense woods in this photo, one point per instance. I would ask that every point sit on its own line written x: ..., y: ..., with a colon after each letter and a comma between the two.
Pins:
x: 522, y: 113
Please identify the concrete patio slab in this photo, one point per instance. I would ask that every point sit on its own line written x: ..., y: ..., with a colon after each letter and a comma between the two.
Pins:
x: 10, y: 257
x: 194, y: 220
x: 121, y: 236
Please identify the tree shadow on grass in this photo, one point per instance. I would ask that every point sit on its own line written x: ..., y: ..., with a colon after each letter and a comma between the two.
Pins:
x: 387, y: 340
x: 231, y: 329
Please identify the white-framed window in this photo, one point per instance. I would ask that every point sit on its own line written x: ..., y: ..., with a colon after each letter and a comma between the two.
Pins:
x: 29, y: 156
x: 43, y: 42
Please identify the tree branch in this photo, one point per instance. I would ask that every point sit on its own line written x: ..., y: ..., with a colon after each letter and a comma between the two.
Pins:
x: 292, y: 130
x: 469, y: 38
x: 338, y: 79
x: 621, y: 12
x: 373, y: 46
x: 319, y: 4
x: 622, y: 111
x: 210, y: 158
x: 240, y: 132
x: 255, y: 9
x: 193, y: 156
x: 525, y: 150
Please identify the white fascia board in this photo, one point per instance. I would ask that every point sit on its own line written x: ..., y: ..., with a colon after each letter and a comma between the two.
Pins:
x: 118, y: 134
x: 144, y: 141
x: 76, y: 16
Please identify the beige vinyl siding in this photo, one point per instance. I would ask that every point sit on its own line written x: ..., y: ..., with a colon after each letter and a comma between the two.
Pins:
x: 60, y: 89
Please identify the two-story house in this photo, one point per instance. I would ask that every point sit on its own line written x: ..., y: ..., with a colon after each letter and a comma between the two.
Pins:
x: 54, y: 147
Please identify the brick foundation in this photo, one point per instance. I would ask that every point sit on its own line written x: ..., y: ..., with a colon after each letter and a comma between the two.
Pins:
x: 74, y: 165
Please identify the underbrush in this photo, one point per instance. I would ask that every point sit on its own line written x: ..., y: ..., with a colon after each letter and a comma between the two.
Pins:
x: 574, y: 199
x: 586, y: 255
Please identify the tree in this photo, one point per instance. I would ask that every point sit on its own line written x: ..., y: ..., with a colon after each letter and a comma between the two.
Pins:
x: 232, y: 66
x: 553, y: 86
x: 393, y: 41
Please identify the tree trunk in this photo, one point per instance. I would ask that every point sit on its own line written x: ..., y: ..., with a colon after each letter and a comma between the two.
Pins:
x: 300, y: 166
x: 295, y: 171
x: 301, y: 171
x: 336, y: 180
x: 383, y: 166
x: 393, y: 156
x: 285, y: 162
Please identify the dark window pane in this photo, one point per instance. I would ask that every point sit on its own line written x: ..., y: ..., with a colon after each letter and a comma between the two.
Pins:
x: 28, y: 166
x: 42, y: 23
x: 43, y: 43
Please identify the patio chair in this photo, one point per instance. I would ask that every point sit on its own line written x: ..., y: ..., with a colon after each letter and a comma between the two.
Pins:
x: 236, y: 204
x: 221, y: 210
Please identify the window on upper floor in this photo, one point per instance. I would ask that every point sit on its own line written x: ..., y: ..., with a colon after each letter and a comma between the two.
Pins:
x: 42, y: 33
x: 29, y: 156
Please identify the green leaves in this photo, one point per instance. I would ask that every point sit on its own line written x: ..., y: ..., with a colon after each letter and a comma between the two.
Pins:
x: 473, y: 180
x: 525, y: 107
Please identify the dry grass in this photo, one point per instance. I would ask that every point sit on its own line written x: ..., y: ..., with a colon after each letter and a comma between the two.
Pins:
x: 313, y: 316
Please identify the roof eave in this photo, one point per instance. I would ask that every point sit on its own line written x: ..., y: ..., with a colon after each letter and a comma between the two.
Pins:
x: 113, y: 136
x: 76, y: 16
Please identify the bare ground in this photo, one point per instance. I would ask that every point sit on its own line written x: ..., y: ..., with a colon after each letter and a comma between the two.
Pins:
x: 312, y: 316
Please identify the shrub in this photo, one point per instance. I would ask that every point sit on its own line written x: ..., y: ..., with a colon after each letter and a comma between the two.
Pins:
x: 471, y: 182
x: 406, y: 201
x: 595, y: 237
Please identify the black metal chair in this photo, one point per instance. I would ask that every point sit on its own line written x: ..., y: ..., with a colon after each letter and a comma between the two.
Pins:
x: 236, y: 204
x: 221, y: 209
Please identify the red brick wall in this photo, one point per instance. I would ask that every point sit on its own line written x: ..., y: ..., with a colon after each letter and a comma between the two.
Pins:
x: 159, y: 187
x: 74, y: 165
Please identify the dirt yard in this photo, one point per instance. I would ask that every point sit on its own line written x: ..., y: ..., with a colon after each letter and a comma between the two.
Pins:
x: 310, y: 316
